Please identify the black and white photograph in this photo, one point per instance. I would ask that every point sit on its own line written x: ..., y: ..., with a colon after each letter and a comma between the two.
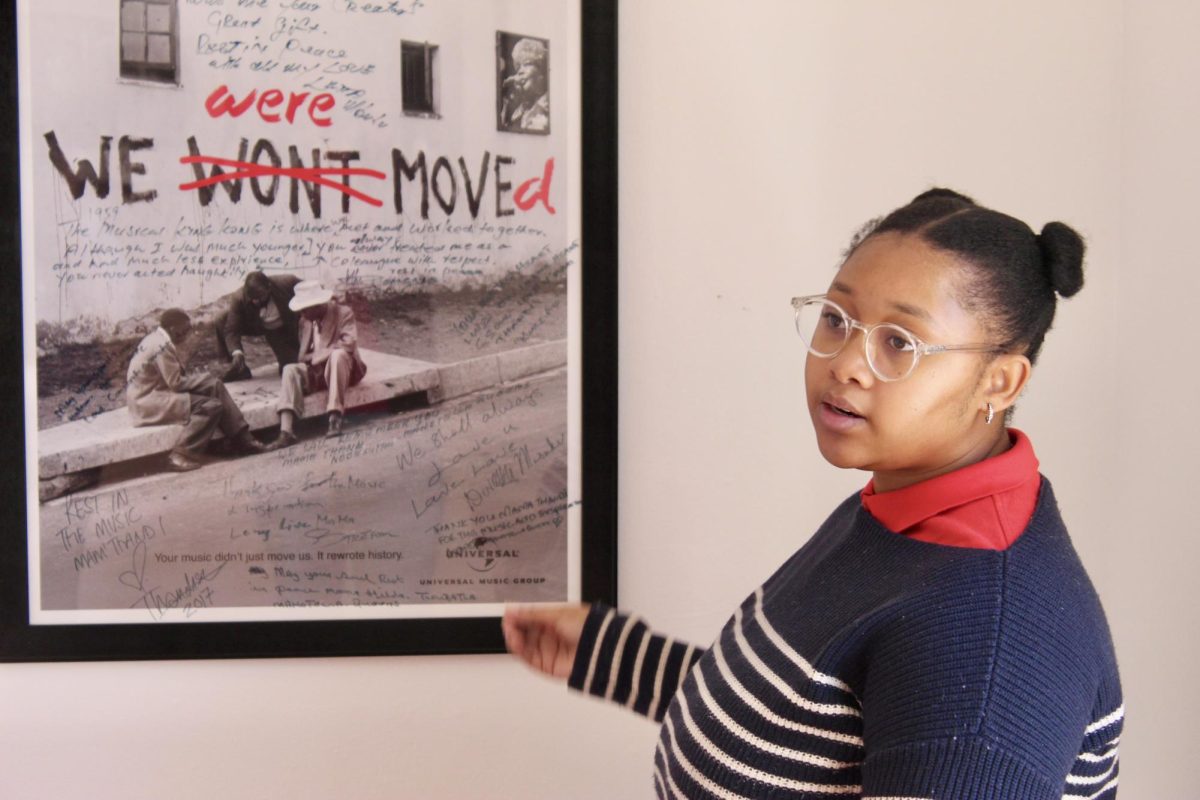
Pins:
x: 523, y: 83
x: 301, y: 315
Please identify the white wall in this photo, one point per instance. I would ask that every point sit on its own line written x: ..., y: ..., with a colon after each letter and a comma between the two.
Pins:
x: 752, y: 145
x: 1150, y: 553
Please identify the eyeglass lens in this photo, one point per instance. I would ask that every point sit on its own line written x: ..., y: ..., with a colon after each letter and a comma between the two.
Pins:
x: 891, y: 351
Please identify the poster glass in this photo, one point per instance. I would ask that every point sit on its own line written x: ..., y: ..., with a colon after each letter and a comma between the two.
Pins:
x: 302, y: 312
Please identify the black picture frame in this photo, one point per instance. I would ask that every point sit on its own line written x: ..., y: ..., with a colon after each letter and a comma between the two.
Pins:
x: 21, y: 641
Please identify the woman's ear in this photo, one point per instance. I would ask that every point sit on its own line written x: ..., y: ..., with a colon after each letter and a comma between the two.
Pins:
x: 1003, y: 381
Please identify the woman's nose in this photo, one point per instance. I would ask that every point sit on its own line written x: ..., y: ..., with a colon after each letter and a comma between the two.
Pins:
x: 851, y: 363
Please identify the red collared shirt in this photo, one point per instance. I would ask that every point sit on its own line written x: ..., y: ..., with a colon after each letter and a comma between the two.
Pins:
x: 987, y: 504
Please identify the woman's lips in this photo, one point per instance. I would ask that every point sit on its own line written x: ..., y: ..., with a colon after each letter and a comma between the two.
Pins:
x: 835, y: 420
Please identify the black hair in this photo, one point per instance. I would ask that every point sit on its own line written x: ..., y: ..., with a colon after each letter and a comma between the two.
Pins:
x: 257, y: 278
x: 173, y: 317
x: 1016, y: 272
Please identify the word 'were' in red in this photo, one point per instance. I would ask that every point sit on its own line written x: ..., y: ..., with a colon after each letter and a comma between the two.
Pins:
x: 222, y: 101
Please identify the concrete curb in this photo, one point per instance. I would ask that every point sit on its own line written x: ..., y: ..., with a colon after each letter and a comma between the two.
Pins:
x: 64, y: 465
x: 110, y: 437
x: 477, y: 374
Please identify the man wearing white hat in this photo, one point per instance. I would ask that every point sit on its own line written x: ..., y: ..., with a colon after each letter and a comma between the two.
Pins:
x: 329, y: 359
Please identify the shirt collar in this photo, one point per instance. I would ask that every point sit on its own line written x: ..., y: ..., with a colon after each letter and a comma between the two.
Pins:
x: 902, y: 508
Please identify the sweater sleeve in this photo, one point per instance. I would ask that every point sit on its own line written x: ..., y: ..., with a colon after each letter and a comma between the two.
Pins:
x: 621, y: 660
x: 998, y: 720
x: 954, y: 768
x: 1093, y: 774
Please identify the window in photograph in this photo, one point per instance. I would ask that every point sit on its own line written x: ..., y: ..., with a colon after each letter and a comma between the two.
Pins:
x: 416, y: 78
x: 149, y: 40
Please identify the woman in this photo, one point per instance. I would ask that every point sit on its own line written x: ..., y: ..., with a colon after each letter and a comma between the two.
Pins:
x: 937, y: 637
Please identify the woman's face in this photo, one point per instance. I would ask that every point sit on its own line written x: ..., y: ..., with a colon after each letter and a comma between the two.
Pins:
x: 530, y: 79
x: 928, y: 423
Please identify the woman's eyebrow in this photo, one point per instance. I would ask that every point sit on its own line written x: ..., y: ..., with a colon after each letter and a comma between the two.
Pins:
x: 913, y: 311
x: 903, y: 308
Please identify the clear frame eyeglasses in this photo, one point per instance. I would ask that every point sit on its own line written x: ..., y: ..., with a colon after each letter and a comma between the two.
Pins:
x: 892, y: 352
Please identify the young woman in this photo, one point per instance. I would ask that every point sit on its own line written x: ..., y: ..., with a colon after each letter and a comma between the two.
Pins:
x: 937, y: 637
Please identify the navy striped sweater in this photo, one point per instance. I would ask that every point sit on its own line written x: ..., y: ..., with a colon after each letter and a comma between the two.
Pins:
x: 872, y: 665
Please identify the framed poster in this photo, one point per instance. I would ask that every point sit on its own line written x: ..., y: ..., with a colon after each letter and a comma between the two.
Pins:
x: 317, y: 340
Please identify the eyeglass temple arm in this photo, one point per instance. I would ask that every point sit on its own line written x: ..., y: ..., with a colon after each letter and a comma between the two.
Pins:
x: 799, y: 301
x: 942, y: 348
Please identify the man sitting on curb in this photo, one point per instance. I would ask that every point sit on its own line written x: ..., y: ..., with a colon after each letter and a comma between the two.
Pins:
x: 158, y: 392
x: 259, y: 308
x: 329, y: 359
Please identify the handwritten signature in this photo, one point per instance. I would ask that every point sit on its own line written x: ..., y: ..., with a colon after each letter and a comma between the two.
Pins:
x: 194, y: 594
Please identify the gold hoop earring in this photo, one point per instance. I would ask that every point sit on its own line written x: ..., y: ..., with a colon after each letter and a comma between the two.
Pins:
x: 990, y: 413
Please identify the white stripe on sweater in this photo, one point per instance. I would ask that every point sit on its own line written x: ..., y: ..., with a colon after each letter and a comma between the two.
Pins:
x: 797, y: 659
x: 618, y: 654
x: 754, y: 703
x: 755, y: 774
x: 662, y: 753
x: 1105, y: 721
x: 659, y: 783
x: 656, y: 699
x: 1111, y: 784
x: 591, y: 673
x: 637, y: 670
x: 685, y: 666
x: 746, y: 736
x: 778, y: 682
x: 1078, y: 780
x: 1096, y: 759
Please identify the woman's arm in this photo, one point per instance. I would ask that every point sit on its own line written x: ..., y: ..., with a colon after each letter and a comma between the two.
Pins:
x: 545, y: 638
x: 602, y: 652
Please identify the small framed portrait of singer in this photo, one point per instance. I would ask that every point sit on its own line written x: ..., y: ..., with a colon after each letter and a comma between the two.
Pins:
x: 522, y: 83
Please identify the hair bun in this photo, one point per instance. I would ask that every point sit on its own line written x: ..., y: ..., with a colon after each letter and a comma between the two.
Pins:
x: 942, y: 193
x: 1062, y: 257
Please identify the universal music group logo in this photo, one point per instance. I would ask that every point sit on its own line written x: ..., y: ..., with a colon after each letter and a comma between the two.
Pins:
x: 482, y: 555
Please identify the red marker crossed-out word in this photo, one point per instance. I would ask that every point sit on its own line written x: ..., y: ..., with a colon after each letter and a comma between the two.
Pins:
x: 528, y: 194
x: 248, y: 169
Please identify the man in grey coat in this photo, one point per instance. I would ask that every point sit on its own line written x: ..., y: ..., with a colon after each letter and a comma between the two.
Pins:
x: 159, y: 392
